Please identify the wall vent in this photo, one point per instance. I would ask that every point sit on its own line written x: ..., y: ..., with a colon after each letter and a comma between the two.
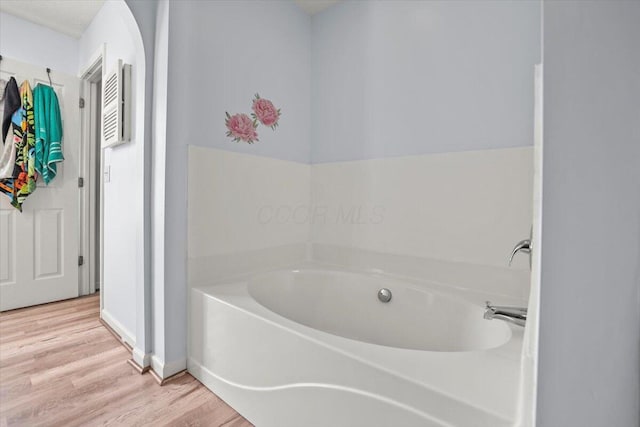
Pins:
x: 116, y: 112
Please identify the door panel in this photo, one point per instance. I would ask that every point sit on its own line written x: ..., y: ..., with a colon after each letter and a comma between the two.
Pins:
x: 39, y: 247
x: 48, y: 245
x: 7, y: 248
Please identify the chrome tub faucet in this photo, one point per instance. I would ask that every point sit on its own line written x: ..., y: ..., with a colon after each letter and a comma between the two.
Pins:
x: 515, y: 315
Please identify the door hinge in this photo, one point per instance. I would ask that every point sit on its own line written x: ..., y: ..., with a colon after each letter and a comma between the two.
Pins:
x: 80, y: 182
x: 80, y: 260
x: 81, y: 103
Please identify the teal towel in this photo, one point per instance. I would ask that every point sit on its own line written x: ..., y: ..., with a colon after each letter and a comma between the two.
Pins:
x: 48, y: 124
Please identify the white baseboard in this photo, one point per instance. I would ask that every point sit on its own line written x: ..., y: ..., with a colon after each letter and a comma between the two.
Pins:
x: 126, y: 336
x: 141, y: 358
x: 165, y: 370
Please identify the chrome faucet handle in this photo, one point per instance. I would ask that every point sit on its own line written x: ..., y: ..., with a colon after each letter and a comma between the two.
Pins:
x: 521, y: 246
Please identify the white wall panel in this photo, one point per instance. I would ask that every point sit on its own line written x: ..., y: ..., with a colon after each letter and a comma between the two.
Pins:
x: 467, y: 207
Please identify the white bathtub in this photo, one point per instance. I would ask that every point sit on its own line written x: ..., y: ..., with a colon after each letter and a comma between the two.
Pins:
x: 315, y: 347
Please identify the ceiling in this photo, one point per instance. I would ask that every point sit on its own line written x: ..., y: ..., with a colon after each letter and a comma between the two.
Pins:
x: 315, y: 6
x: 70, y: 17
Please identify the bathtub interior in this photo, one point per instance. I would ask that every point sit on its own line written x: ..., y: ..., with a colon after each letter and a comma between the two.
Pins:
x: 346, y: 304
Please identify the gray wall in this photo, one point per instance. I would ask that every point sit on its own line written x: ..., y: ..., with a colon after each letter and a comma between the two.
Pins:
x: 400, y: 78
x: 144, y: 12
x: 220, y: 54
x: 224, y: 52
x: 589, y: 349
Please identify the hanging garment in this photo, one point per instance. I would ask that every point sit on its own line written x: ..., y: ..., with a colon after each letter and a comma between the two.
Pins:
x: 24, y: 178
x: 11, y: 104
x: 48, y: 132
x: 14, y: 139
x: 12, y: 170
x: 11, y: 99
x: 25, y: 183
x: 8, y: 150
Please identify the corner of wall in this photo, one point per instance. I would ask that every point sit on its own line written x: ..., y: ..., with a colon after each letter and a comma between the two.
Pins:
x: 167, y: 369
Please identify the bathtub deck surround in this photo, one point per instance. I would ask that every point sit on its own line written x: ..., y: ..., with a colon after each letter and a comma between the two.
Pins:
x: 236, y: 213
x: 283, y: 347
x: 467, y: 213
x: 469, y: 207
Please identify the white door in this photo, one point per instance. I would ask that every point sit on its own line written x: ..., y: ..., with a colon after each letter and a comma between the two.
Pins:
x: 39, y: 247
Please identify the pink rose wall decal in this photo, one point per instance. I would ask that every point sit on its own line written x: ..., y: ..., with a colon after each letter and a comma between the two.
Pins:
x: 241, y: 128
x: 265, y: 112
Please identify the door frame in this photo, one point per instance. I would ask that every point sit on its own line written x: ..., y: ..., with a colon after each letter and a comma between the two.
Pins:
x: 89, y: 76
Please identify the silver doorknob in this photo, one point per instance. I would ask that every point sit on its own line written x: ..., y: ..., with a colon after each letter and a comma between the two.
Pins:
x: 521, y: 246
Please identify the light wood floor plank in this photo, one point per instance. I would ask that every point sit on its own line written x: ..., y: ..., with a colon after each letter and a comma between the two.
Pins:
x: 60, y: 367
x: 13, y: 317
